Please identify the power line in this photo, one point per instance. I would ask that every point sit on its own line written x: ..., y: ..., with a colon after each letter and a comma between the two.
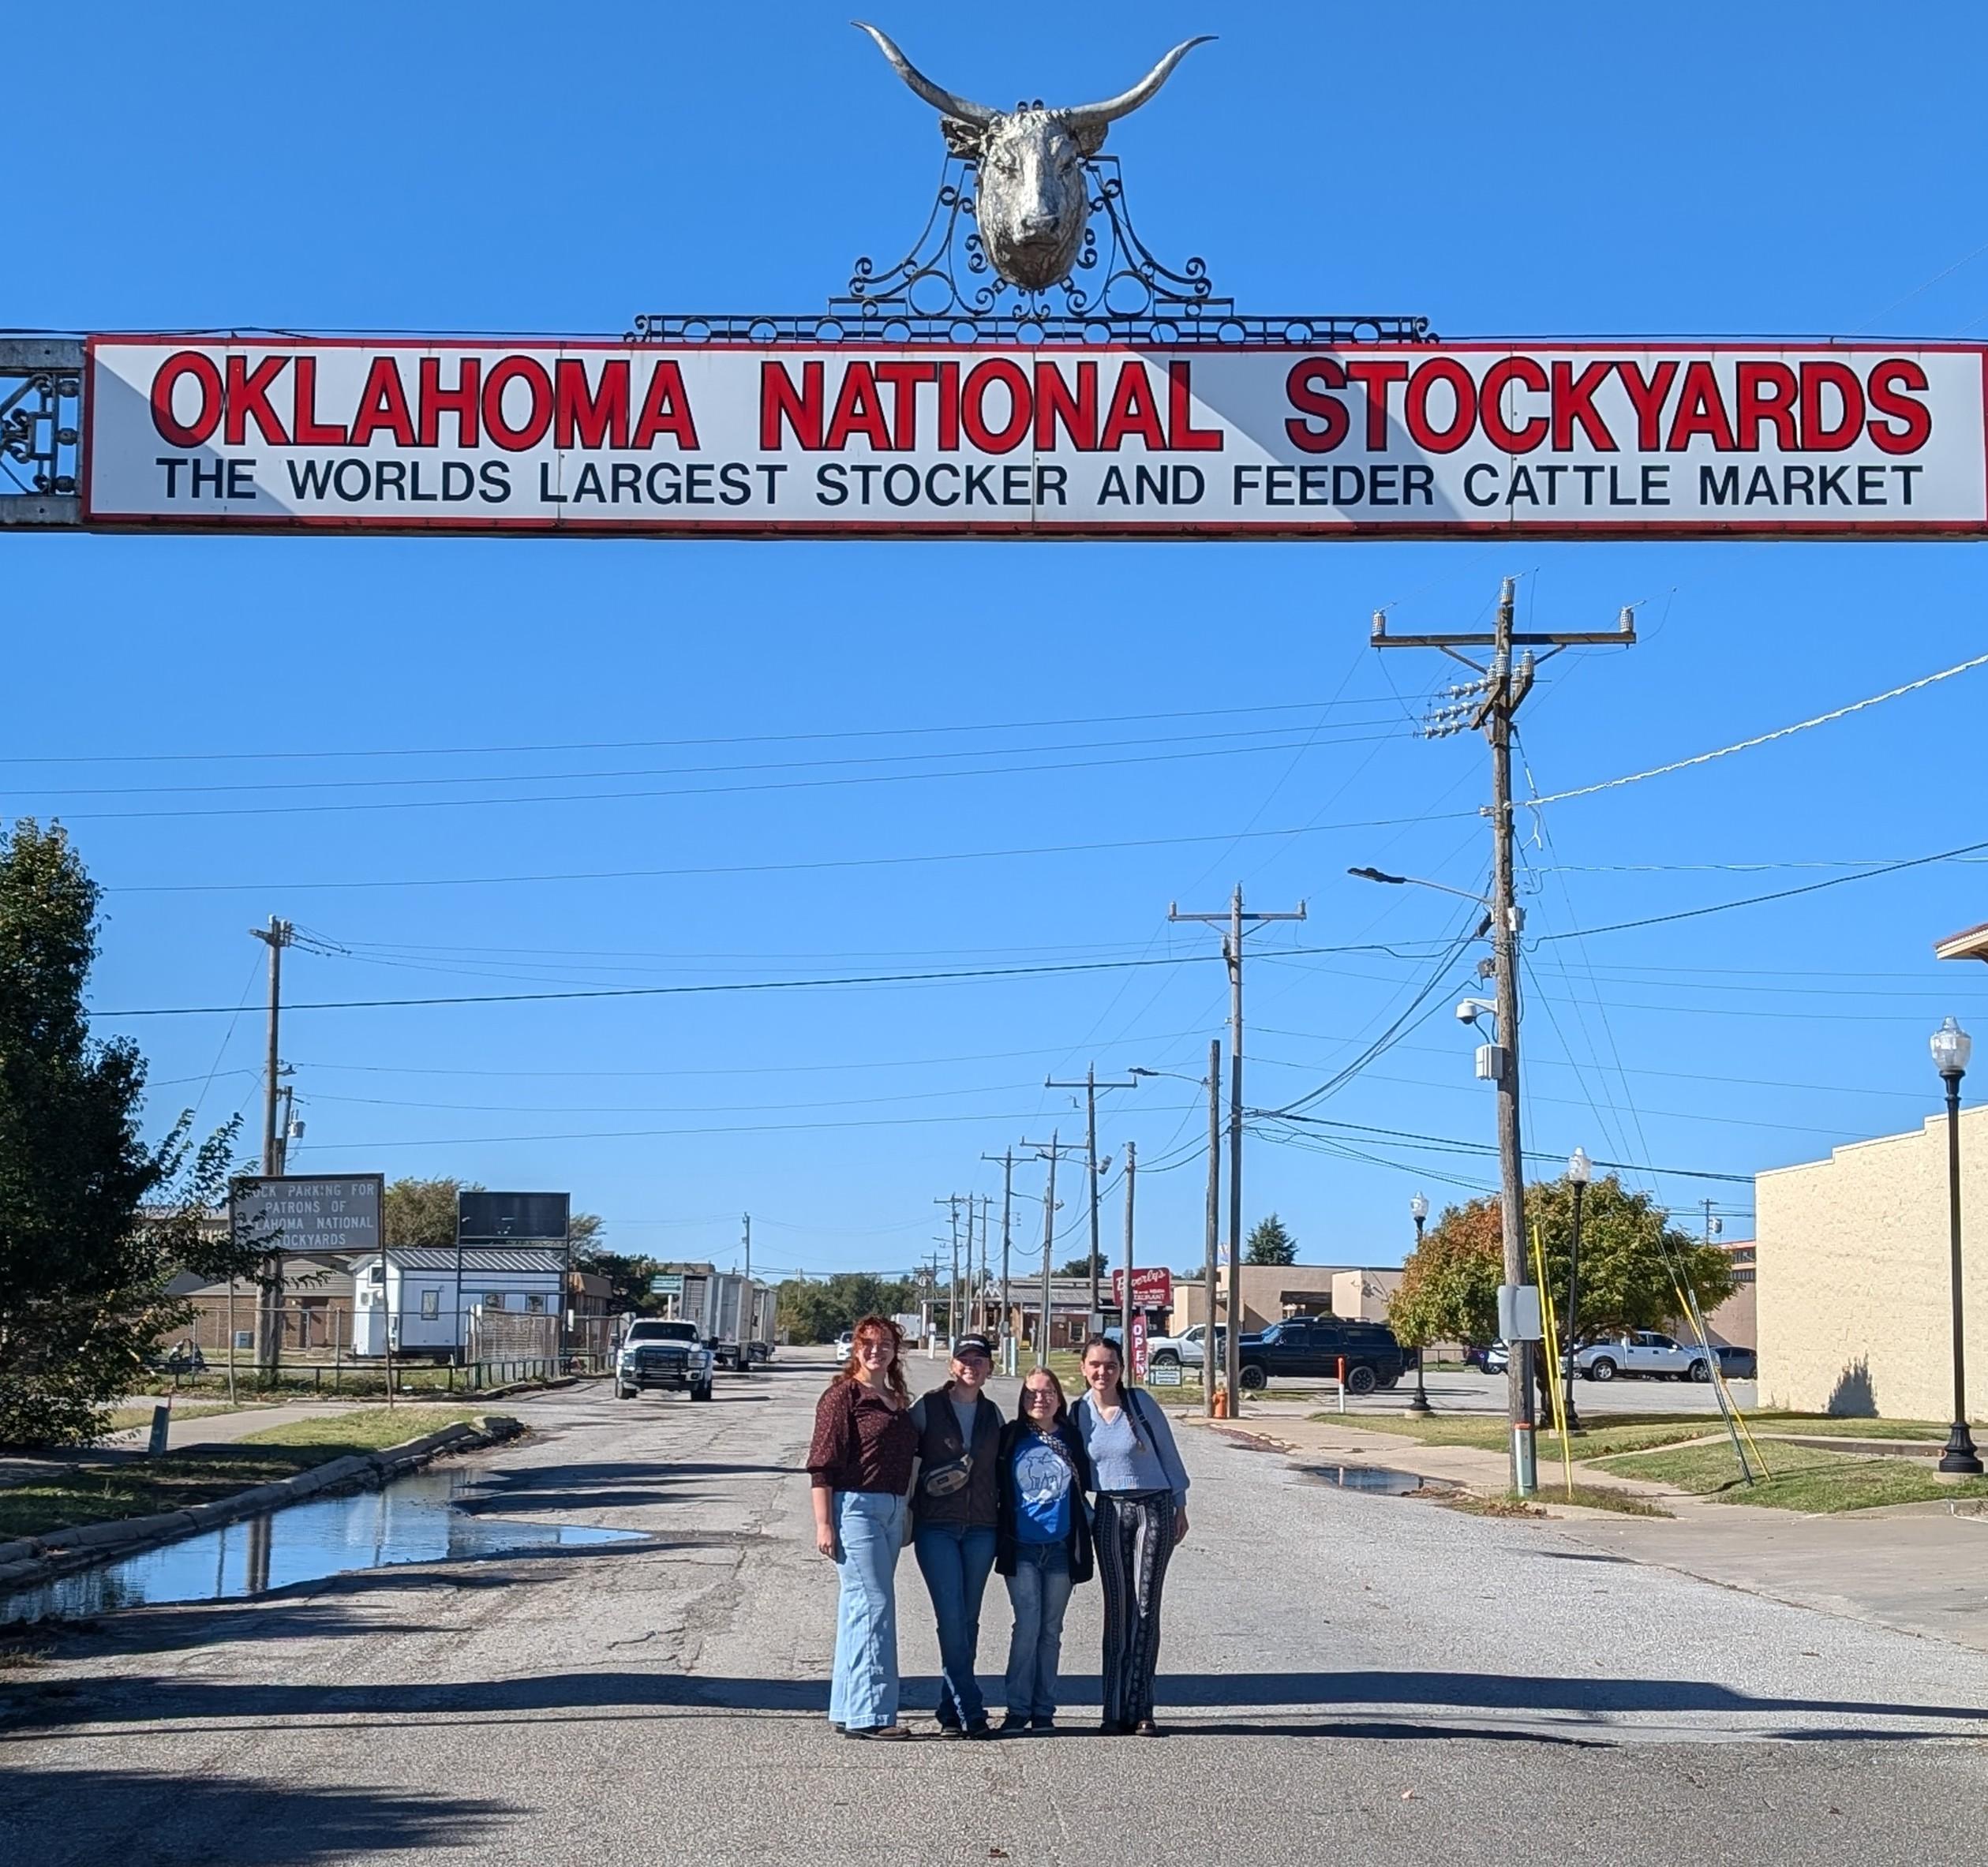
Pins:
x: 874, y: 861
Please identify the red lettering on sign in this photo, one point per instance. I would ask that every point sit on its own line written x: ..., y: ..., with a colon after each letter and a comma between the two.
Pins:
x: 949, y: 408
x: 382, y: 403
x: 1765, y: 392
x: 1701, y: 411
x: 902, y: 380
x: 973, y: 405
x: 249, y: 400
x: 1886, y: 380
x: 180, y: 367
x: 1819, y: 434
x: 665, y: 409
x: 515, y: 437
x: 1075, y: 409
x: 1523, y: 437
x: 1573, y: 407
x: 1646, y: 396
x: 800, y: 409
x: 857, y: 412
x: 1308, y: 389
x: 461, y: 401
x: 1133, y: 411
x: 1182, y: 435
x: 1451, y: 375
x: 1377, y: 379
x: 310, y: 431
x: 592, y: 414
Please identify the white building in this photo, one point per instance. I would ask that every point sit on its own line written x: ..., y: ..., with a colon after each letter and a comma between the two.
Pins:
x: 434, y: 1313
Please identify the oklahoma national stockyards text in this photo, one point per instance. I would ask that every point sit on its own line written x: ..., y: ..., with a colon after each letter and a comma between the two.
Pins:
x: 1576, y: 439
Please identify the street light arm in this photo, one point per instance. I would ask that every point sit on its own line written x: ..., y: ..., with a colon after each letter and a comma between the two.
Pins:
x: 1442, y: 887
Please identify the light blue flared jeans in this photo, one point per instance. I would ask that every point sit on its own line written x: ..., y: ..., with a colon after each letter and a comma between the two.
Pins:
x: 870, y: 1527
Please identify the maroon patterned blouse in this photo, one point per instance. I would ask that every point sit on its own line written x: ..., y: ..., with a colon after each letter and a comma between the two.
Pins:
x: 863, y: 1443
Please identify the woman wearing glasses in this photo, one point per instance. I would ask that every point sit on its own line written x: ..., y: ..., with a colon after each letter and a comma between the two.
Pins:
x: 1042, y: 1545
x: 860, y: 1466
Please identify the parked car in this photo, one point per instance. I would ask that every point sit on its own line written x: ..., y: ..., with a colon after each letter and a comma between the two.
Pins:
x: 1315, y: 1347
x: 845, y: 1344
x: 1737, y: 1364
x: 1640, y: 1354
x: 663, y: 1352
x: 1186, y: 1349
x: 1489, y: 1358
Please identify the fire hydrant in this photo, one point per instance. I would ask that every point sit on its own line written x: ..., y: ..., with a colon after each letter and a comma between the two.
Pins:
x: 1221, y: 1402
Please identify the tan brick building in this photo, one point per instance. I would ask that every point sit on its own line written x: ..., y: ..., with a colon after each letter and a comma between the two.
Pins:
x: 1852, y: 1289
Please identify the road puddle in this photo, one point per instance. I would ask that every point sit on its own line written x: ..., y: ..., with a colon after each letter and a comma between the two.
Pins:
x: 1381, y: 1481
x: 418, y: 1519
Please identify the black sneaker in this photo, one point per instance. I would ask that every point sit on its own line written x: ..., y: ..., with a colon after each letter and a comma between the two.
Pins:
x: 980, y: 1731
x: 1015, y: 1721
x: 949, y: 1732
x: 1043, y: 1727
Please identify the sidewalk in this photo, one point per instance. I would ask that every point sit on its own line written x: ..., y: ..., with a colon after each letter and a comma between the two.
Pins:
x: 1916, y: 1568
x: 215, y: 1429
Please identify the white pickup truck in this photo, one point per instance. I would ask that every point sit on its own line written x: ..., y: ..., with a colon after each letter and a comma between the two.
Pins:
x: 662, y: 1352
x: 1186, y: 1350
x: 1640, y: 1354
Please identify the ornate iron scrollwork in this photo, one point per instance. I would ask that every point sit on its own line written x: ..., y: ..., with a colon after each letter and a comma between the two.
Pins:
x: 945, y: 290
x: 40, y: 422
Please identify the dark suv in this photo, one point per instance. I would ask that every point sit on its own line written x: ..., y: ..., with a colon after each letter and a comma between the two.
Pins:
x: 1312, y: 1348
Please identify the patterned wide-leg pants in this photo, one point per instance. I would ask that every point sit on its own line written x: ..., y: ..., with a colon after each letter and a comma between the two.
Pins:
x: 1134, y: 1536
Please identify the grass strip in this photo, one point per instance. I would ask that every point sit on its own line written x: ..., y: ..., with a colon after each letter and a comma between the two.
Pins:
x: 100, y: 1492
x: 1805, y: 1478
x: 122, y: 1418
x: 1604, y: 1436
x: 1588, y: 1497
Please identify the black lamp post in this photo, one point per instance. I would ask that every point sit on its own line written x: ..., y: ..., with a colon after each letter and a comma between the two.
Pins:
x: 1580, y: 1169
x: 1951, y: 1048
x: 1418, y: 1209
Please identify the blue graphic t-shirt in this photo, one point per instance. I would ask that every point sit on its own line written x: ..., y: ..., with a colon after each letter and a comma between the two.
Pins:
x: 1042, y: 1480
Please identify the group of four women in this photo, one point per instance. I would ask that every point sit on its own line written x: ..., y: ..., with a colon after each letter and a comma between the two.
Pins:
x: 973, y: 1493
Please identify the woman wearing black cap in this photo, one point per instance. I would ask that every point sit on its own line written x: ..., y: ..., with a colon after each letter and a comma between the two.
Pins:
x: 955, y: 1503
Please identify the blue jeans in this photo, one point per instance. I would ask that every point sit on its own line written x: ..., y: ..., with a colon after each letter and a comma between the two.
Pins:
x: 956, y: 1560
x: 870, y: 1526
x: 1038, y: 1591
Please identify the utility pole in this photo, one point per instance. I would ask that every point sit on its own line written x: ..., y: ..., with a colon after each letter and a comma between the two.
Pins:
x: 1007, y: 1335
x: 1091, y: 1086
x: 951, y: 1202
x: 1236, y: 925
x: 1489, y: 704
x: 1126, y: 1309
x: 269, y: 1312
x: 980, y: 1288
x: 1712, y: 1227
x: 1214, y: 1227
x: 748, y: 1308
x: 1051, y: 1151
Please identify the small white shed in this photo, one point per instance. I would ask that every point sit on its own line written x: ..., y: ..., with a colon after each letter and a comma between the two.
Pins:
x: 436, y: 1293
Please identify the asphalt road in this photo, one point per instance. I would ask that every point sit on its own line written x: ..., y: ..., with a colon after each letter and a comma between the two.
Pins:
x: 1344, y: 1677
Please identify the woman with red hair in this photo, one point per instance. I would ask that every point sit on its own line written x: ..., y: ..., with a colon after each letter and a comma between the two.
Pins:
x: 860, y: 1464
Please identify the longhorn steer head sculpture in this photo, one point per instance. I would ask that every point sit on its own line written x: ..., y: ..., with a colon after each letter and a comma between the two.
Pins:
x: 1033, y: 196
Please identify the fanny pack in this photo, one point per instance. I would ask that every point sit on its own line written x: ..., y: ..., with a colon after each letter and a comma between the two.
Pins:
x: 942, y: 1481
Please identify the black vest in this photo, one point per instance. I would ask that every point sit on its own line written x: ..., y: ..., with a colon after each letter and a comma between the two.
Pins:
x: 978, y: 1501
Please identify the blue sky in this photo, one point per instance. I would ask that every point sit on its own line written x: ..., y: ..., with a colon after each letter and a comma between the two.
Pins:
x: 1564, y: 171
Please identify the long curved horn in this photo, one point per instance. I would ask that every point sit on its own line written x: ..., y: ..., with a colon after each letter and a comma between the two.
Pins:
x: 943, y: 101
x: 1095, y: 116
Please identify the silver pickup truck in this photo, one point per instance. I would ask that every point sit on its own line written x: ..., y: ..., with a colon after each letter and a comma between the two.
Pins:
x: 1641, y: 1354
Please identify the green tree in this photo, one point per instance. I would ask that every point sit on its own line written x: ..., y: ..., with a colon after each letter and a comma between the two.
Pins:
x: 819, y: 1312
x: 1633, y: 1263
x: 93, y: 1221
x: 423, y: 1211
x: 1270, y: 1243
x: 629, y: 1278
x: 1081, y: 1266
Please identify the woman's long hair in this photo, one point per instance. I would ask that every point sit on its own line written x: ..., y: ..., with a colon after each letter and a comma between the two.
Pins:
x: 1125, y: 1392
x: 1062, y: 1404
x: 894, y: 1374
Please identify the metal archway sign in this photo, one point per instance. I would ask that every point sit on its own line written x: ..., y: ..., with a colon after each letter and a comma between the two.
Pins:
x: 846, y: 435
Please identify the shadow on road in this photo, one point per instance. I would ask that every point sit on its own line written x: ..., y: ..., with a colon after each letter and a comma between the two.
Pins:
x: 138, y: 1701
x: 57, y: 1817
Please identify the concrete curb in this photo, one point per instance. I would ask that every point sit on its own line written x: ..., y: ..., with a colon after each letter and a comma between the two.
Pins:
x: 32, y: 1559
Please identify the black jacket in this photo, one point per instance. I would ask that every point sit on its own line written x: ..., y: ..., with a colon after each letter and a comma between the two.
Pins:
x: 1079, y: 1540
